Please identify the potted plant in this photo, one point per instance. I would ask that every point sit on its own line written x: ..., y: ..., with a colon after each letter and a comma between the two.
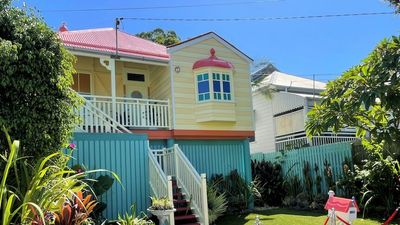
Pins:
x: 162, y: 208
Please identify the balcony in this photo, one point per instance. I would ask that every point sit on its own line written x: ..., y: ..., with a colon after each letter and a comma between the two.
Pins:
x: 100, y: 112
x: 300, y: 140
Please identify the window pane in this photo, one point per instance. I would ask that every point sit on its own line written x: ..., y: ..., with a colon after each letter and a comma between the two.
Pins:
x: 84, y: 83
x: 216, y: 86
x: 199, y: 77
x: 227, y: 87
x: 203, y: 87
x: 205, y: 76
x: 207, y: 96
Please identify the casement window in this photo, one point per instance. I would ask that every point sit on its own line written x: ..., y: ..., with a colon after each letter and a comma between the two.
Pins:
x: 203, y: 87
x: 82, y: 83
x: 216, y: 87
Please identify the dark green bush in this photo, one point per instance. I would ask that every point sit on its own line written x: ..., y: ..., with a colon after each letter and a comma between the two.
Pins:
x: 237, y: 191
x: 37, y: 105
x: 270, y: 177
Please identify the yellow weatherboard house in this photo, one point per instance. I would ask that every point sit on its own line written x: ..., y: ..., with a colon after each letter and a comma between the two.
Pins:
x: 173, y: 115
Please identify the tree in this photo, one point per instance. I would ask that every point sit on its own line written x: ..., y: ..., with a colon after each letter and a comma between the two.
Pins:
x: 160, y: 36
x: 37, y: 104
x: 366, y: 97
x: 395, y: 3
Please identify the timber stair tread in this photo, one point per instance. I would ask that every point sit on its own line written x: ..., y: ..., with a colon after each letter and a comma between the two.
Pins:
x: 185, y: 217
x: 190, y: 224
x: 181, y: 209
x: 180, y: 201
x: 184, y: 213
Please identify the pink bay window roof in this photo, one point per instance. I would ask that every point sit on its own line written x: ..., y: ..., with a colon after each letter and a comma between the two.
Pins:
x: 103, y: 41
x: 212, y: 61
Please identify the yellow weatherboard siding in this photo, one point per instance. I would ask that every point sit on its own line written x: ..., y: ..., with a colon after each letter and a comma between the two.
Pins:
x: 158, y: 84
x: 229, y: 115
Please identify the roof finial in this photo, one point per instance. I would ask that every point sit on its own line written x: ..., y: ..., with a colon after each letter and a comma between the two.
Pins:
x: 212, y: 52
x: 63, y: 27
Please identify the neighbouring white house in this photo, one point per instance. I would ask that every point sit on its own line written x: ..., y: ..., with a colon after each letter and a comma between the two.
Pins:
x: 280, y: 113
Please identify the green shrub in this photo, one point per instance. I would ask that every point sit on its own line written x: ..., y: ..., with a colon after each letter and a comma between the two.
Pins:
x: 270, y: 177
x: 37, y: 104
x: 293, y: 186
x: 238, y: 192
x: 217, y: 203
x: 48, y: 183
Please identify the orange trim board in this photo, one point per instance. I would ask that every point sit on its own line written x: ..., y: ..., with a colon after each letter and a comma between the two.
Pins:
x: 195, y: 134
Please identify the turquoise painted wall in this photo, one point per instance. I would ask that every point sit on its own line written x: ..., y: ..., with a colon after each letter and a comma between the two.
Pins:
x: 124, y: 154
x: 218, y: 156
x: 293, y: 161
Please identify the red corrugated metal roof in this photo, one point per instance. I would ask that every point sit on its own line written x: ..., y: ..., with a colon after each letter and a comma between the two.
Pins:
x: 340, y: 204
x: 212, y: 61
x: 103, y: 40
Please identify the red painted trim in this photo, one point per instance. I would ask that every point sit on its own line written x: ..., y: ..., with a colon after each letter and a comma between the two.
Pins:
x: 155, y: 134
x: 195, y: 134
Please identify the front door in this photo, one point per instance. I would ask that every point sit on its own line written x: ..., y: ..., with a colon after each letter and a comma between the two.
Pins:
x: 136, y: 88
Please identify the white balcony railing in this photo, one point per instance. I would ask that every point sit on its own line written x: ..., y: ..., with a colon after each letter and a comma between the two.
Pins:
x: 94, y: 120
x: 134, y: 112
x: 299, y: 140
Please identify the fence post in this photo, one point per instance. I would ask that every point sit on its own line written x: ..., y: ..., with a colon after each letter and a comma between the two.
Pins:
x: 171, y: 198
x: 204, y: 200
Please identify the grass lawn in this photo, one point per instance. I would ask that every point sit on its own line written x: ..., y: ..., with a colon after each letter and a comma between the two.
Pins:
x: 283, y: 217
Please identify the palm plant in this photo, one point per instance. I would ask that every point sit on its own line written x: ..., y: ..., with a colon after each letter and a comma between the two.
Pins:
x: 217, y: 203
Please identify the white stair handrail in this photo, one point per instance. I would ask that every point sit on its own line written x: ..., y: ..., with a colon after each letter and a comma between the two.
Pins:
x: 99, y: 121
x: 193, y: 185
x: 158, y: 179
x: 160, y: 183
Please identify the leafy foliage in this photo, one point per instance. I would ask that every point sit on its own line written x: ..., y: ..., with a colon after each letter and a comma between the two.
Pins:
x: 132, y: 219
x: 217, y: 203
x: 161, y: 203
x: 366, y: 97
x: 269, y: 175
x: 97, y: 186
x: 160, y: 36
x: 238, y: 192
x: 37, y: 103
x: 75, y: 211
x: 395, y: 3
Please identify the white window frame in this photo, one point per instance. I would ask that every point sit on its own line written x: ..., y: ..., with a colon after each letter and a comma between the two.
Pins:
x: 210, y: 71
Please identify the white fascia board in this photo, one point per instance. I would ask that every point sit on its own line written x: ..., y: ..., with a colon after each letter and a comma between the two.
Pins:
x: 206, y: 37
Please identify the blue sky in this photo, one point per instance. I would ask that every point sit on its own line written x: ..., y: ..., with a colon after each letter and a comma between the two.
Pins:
x: 326, y: 46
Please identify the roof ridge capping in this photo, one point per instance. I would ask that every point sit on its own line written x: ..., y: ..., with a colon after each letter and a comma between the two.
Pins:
x: 205, y: 36
x: 90, y: 30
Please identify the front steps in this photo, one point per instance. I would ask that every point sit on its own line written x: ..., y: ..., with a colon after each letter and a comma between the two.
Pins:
x: 184, y: 214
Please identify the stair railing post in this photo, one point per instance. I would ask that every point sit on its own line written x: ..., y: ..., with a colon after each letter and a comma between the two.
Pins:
x: 204, y: 198
x: 171, y: 198
x: 176, y: 163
